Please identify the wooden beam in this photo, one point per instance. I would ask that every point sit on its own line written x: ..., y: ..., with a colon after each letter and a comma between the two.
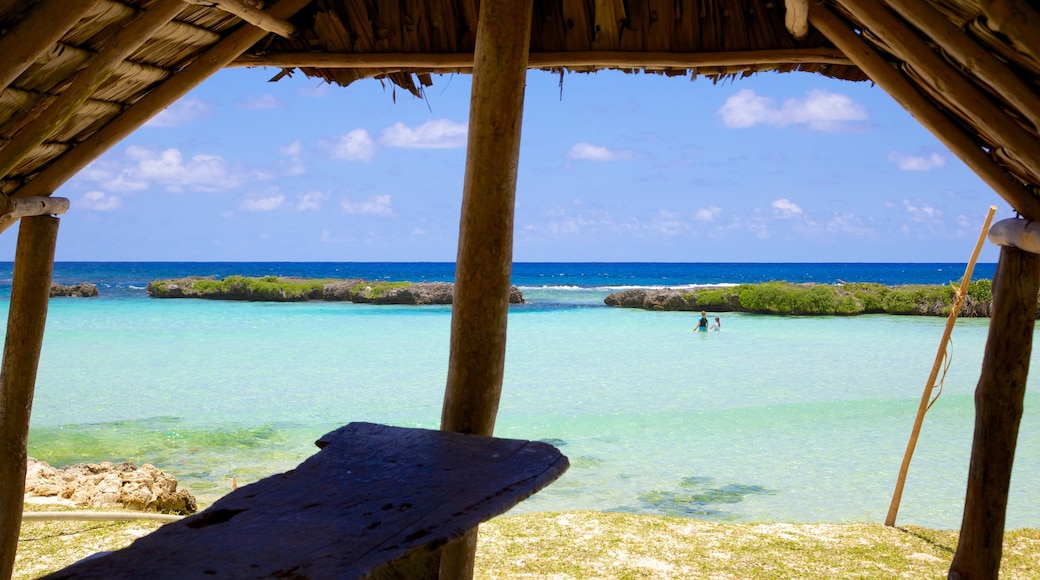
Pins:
x: 41, y: 28
x: 998, y: 412
x: 395, y: 62
x: 923, y: 109
x: 83, y: 84
x: 30, y: 291
x: 1017, y: 20
x: 796, y: 18
x: 979, y: 61
x: 476, y: 362
x: 1016, y: 233
x: 962, y: 94
x: 12, y: 209
x: 175, y: 87
x: 252, y: 15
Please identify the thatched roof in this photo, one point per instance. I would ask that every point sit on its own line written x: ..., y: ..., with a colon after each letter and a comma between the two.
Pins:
x: 78, y: 75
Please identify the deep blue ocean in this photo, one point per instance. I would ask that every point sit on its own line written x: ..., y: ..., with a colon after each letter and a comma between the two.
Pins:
x: 772, y: 419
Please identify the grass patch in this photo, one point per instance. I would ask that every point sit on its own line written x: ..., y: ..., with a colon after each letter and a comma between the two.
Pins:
x: 616, y: 545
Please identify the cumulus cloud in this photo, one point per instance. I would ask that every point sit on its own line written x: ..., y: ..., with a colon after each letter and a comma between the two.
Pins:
x: 707, y: 214
x: 354, y: 146
x: 783, y: 207
x: 182, y: 112
x: 311, y: 201
x: 590, y: 152
x: 819, y: 110
x: 200, y: 172
x: 378, y: 205
x: 261, y: 102
x: 916, y: 162
x: 438, y: 134
x: 144, y: 167
x: 99, y: 201
x: 270, y: 202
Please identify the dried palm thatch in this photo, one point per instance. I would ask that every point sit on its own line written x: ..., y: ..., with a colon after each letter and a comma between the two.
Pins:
x: 78, y: 75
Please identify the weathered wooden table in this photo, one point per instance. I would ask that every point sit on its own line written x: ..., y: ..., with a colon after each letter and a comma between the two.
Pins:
x: 376, y: 501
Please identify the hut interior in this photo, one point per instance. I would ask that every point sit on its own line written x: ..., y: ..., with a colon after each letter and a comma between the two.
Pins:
x: 77, y: 76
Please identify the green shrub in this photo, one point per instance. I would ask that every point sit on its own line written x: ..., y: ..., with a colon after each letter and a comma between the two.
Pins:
x: 981, y: 290
x: 377, y: 289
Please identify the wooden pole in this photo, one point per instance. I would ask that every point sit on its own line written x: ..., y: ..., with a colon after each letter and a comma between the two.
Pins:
x: 254, y: 16
x: 998, y: 411
x: 87, y: 80
x: 173, y: 88
x: 452, y: 61
x: 30, y: 291
x: 12, y: 209
x: 970, y: 54
x: 962, y: 94
x: 44, y: 26
x: 921, y: 107
x: 1017, y: 20
x: 484, y: 265
x: 940, y: 355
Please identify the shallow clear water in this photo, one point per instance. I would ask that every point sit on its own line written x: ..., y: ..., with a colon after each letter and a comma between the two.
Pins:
x: 772, y: 419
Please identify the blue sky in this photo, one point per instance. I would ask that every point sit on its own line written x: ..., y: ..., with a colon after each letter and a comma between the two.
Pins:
x: 613, y: 167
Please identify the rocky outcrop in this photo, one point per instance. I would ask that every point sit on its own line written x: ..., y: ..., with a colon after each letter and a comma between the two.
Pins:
x: 300, y: 289
x: 97, y: 485
x: 82, y: 290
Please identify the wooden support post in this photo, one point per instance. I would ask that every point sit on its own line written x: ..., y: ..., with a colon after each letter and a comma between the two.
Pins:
x: 30, y: 291
x: 173, y: 88
x: 998, y: 411
x: 921, y: 107
x: 485, y: 258
x: 45, y: 24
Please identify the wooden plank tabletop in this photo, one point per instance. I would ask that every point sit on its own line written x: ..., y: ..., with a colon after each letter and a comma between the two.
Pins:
x: 374, y: 494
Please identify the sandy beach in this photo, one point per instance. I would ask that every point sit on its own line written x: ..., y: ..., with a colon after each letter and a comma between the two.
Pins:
x: 589, y: 544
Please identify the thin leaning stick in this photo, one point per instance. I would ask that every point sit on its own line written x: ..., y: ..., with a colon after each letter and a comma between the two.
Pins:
x: 926, y: 397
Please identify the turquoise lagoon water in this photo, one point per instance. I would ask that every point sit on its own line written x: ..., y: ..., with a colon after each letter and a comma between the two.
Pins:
x: 772, y: 419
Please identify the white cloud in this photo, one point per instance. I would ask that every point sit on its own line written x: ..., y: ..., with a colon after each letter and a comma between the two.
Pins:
x: 921, y: 211
x: 439, y: 134
x: 668, y: 223
x: 590, y: 152
x: 201, y: 172
x: 819, y: 110
x: 847, y: 223
x: 311, y: 201
x: 144, y: 167
x: 293, y: 153
x: 262, y: 102
x: 916, y: 162
x: 784, y: 208
x: 354, y: 146
x: 707, y: 214
x: 98, y: 201
x: 378, y: 205
x: 271, y: 202
x: 182, y: 112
